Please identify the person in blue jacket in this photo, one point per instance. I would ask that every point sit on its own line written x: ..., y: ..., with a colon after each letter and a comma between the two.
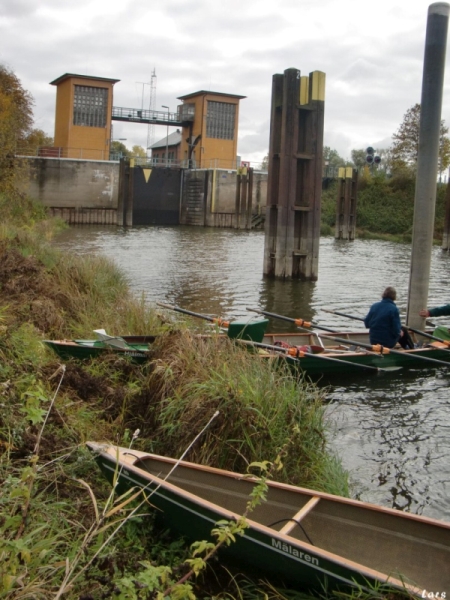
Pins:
x: 383, y: 322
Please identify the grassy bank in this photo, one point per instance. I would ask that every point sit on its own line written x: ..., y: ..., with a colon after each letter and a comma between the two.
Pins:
x: 56, y: 510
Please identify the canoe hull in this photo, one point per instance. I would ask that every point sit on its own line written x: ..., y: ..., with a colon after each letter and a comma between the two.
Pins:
x: 138, y: 350
x: 266, y: 548
x: 138, y: 346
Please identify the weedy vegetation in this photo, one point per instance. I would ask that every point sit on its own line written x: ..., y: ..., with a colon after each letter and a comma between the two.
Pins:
x: 63, y: 532
x: 384, y: 208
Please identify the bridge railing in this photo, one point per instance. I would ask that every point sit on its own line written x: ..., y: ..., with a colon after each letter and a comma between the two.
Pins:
x: 142, y: 115
x: 61, y: 152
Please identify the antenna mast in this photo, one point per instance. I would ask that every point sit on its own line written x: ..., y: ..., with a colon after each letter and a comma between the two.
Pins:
x: 152, y: 103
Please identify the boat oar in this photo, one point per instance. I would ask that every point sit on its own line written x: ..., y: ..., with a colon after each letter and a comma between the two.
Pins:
x: 298, y: 322
x: 378, y: 348
x: 431, y: 337
x: 220, y: 322
x: 301, y: 323
x: 336, y: 312
x: 295, y: 353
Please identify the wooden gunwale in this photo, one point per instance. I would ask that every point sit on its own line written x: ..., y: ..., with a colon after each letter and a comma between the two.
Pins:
x: 283, y: 533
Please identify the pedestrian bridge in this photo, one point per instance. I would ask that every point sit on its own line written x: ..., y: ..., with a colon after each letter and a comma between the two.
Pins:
x: 183, y: 117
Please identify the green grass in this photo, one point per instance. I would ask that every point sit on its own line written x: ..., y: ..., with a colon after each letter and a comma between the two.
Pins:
x: 262, y: 409
x: 50, y: 410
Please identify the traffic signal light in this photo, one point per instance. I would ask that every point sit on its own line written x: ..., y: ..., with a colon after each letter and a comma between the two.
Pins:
x: 371, y: 158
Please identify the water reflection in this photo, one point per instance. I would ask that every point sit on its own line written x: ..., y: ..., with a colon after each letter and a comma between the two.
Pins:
x: 391, y: 429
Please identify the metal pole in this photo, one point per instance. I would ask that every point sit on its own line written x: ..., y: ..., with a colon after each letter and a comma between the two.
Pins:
x: 427, y: 161
x: 167, y: 136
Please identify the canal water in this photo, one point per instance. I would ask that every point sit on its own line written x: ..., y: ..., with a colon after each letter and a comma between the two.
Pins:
x: 391, y: 430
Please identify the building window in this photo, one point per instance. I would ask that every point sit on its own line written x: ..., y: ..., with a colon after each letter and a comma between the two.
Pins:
x: 90, y: 106
x: 220, y: 120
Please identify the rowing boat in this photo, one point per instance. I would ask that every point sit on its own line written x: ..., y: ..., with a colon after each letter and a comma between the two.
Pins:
x: 312, y: 353
x: 303, y: 538
x: 138, y: 347
x: 349, y: 352
x: 135, y: 347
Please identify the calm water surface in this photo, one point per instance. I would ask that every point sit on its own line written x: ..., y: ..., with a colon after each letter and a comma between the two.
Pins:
x: 391, y: 430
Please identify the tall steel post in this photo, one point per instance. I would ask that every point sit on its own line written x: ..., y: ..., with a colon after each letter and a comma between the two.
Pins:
x: 427, y: 162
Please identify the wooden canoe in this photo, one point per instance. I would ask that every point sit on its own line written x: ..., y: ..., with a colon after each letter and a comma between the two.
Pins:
x: 303, y: 538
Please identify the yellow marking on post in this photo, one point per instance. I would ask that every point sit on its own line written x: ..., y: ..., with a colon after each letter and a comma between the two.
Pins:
x: 349, y: 172
x: 131, y: 162
x: 318, y: 86
x: 304, y: 90
x: 341, y: 173
x: 147, y: 173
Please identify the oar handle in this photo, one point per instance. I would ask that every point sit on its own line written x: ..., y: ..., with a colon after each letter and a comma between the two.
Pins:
x: 220, y: 322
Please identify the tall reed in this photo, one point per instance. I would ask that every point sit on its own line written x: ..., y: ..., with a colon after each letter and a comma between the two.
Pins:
x: 262, y: 406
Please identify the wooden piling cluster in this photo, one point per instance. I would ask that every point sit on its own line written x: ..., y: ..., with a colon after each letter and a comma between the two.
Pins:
x: 295, y: 175
x: 346, y: 204
x: 244, y: 194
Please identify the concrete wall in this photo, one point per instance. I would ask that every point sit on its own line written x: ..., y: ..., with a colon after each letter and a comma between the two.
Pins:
x: 209, y: 197
x: 69, y: 182
x: 221, y: 200
x: 87, y: 191
x: 78, y: 191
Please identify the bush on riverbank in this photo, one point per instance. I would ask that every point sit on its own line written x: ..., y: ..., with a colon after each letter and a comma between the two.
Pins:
x: 385, y: 207
x: 48, y: 412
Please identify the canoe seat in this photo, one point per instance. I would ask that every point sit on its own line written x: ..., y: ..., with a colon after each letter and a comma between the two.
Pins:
x: 286, y: 529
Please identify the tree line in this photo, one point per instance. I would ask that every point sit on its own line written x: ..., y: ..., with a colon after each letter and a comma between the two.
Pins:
x: 400, y: 159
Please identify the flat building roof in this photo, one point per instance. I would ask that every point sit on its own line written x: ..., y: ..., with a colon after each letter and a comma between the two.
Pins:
x: 205, y: 92
x: 90, y: 77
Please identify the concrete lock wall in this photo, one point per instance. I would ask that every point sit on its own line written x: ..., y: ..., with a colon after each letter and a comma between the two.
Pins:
x: 78, y: 191
x: 209, y: 197
x: 87, y: 191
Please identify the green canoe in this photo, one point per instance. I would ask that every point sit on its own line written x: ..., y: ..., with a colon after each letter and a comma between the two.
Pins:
x: 302, y: 538
x: 137, y: 347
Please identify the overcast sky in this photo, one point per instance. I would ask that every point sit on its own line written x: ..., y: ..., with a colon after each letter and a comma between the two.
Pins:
x: 371, y: 52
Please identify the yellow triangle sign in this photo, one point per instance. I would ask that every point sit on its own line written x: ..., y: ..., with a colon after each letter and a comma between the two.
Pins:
x: 147, y: 173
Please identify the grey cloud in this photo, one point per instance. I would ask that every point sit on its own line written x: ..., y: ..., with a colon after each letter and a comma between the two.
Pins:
x: 369, y: 86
